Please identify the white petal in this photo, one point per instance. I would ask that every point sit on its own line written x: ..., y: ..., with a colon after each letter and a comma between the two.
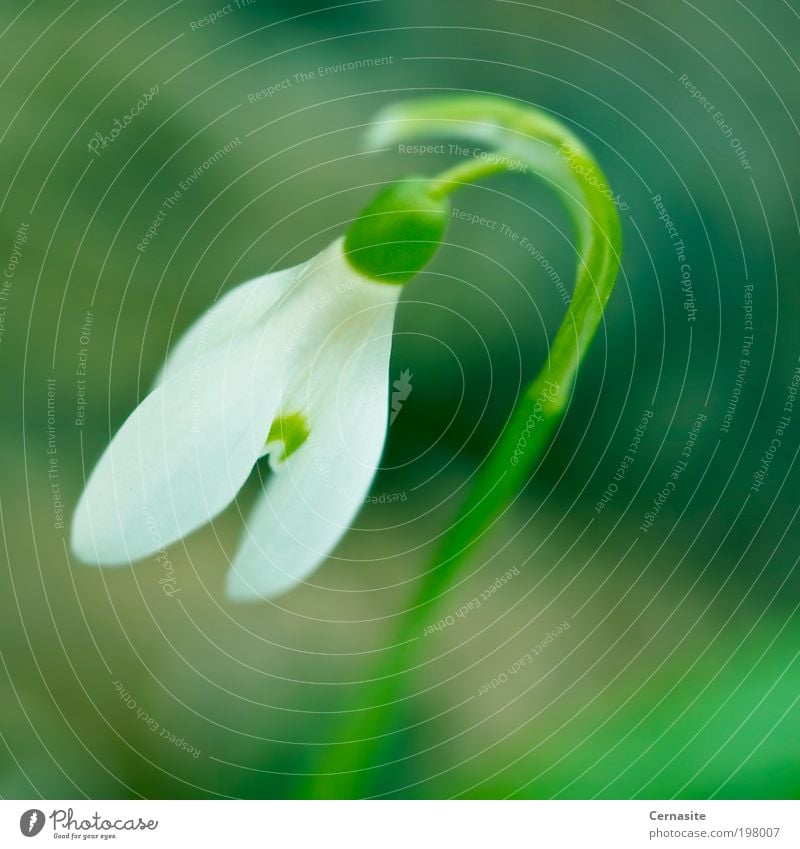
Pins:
x: 340, y: 384
x: 182, y: 455
x: 237, y: 312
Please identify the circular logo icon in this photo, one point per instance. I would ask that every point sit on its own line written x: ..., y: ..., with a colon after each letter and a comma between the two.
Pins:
x: 31, y: 822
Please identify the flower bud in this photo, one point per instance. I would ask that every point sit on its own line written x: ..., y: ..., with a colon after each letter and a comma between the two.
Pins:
x: 398, y: 232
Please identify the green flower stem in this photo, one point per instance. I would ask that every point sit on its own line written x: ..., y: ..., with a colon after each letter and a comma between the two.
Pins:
x: 518, y: 138
x: 465, y: 172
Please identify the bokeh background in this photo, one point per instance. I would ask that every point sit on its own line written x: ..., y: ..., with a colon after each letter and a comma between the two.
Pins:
x: 678, y: 674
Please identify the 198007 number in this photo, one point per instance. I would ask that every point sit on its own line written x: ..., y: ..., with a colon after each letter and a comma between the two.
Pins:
x: 760, y: 832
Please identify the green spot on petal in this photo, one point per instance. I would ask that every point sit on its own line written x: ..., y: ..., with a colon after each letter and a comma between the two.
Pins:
x: 291, y: 430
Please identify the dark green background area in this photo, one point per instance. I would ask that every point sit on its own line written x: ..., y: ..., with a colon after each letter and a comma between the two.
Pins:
x: 678, y: 675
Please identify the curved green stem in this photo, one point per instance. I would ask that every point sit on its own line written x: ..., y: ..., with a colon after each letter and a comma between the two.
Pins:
x: 521, y: 139
x: 465, y: 172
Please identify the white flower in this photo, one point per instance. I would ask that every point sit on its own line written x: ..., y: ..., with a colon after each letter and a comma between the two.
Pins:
x: 293, y: 364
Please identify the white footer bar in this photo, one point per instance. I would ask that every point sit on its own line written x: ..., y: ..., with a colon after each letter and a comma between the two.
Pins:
x: 401, y: 824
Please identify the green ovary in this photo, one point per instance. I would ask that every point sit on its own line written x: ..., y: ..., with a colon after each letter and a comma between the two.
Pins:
x: 292, y: 430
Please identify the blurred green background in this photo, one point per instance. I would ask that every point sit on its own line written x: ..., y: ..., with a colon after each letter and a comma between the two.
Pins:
x: 678, y: 675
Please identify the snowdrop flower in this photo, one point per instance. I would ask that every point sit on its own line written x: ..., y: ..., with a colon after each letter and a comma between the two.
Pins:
x: 293, y: 365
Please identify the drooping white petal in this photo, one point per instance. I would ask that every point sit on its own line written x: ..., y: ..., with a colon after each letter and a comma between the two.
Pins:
x: 339, y: 383
x: 182, y: 455
x: 238, y: 311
